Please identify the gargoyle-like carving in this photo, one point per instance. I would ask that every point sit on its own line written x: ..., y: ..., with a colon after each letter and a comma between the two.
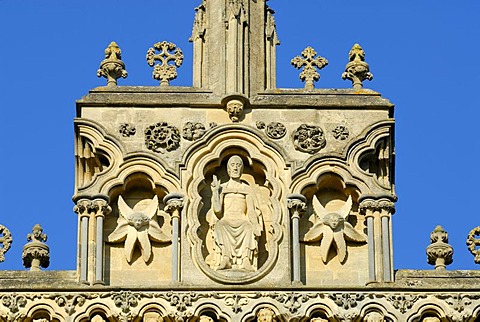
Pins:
x: 309, y: 75
x: 162, y: 137
x: 36, y: 254
x: 138, y: 226
x: 127, y: 130
x: 357, y: 70
x: 112, y: 67
x: 5, y: 241
x: 309, y: 138
x: 439, y: 252
x: 276, y: 130
x: 164, y: 72
x: 193, y: 131
x: 340, y: 133
x: 333, y: 228
x: 266, y: 315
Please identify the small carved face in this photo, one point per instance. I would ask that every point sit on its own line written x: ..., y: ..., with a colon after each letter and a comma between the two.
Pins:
x: 265, y: 315
x: 235, y: 167
x: 138, y: 220
x: 333, y: 220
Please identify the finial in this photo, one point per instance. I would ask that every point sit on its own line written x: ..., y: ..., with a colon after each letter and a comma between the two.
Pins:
x: 473, y: 243
x: 357, y: 70
x: 112, y: 67
x: 309, y: 62
x: 439, y: 252
x: 36, y: 254
x: 5, y: 242
x: 168, y: 52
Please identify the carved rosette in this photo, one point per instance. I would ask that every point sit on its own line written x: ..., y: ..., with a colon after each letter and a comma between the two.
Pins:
x: 5, y: 242
x: 357, y: 70
x: 310, y: 62
x: 309, y: 138
x: 439, y: 252
x: 473, y: 243
x: 36, y: 254
x: 161, y: 137
x: 276, y: 130
x: 193, y: 131
x: 112, y: 67
x: 168, y: 52
x: 341, y: 133
x: 127, y: 130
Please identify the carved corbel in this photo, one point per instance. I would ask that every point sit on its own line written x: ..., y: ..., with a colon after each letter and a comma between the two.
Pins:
x: 235, y: 106
x: 36, y: 254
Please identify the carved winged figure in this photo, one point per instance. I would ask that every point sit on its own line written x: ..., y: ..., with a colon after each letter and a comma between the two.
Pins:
x: 138, y: 226
x: 332, y: 228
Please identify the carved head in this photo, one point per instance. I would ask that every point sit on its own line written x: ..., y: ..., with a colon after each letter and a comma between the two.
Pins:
x: 333, y: 220
x: 266, y: 315
x: 374, y: 317
x: 235, y: 109
x: 138, y: 220
x: 235, y: 167
x: 205, y: 318
x: 431, y: 319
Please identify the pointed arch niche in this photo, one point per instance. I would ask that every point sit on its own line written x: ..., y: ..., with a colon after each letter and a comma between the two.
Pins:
x: 266, y: 176
x: 322, y: 262
x: 138, y: 181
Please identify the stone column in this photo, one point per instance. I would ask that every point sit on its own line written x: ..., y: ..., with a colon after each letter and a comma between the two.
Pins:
x: 173, y: 205
x: 297, y: 204
x: 378, y: 213
x: 102, y: 209
x: 81, y: 210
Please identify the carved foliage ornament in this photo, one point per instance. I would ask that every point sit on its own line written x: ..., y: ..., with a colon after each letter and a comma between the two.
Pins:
x: 138, y: 226
x: 193, y: 131
x: 36, y: 254
x: 310, y: 62
x: 127, y: 130
x: 168, y: 52
x: 161, y: 137
x: 473, y: 243
x: 5, y: 241
x: 309, y: 138
x: 332, y: 229
x: 357, y: 70
x: 341, y: 133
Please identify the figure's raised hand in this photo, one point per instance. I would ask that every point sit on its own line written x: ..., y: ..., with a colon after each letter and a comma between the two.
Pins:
x: 215, y: 183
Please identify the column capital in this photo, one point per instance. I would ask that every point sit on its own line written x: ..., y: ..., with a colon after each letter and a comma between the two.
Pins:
x: 174, y: 202
x: 386, y: 206
x: 297, y: 204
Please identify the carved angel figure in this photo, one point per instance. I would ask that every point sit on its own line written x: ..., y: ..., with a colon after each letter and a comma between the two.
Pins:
x: 138, y: 226
x: 332, y: 228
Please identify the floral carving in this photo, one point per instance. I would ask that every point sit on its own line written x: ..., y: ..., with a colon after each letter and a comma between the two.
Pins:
x: 292, y: 300
x: 309, y: 138
x: 181, y: 301
x: 403, y: 302
x: 127, y: 130
x: 14, y: 302
x: 340, y: 133
x: 168, y: 52
x: 332, y: 229
x: 162, y: 137
x: 5, y: 241
x: 70, y: 302
x: 138, y: 226
x: 36, y: 254
x: 236, y: 301
x: 457, y: 301
x: 473, y: 242
x: 309, y: 63
x: 112, y: 67
x: 357, y: 70
x: 260, y: 125
x: 193, y: 131
x: 276, y: 130
x: 346, y: 300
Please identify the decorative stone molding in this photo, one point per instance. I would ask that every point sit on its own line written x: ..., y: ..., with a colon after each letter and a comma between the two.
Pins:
x: 309, y: 62
x: 165, y: 72
x: 127, y: 130
x: 439, y: 252
x: 332, y: 230
x: 403, y: 303
x: 346, y: 300
x: 36, y: 254
x: 138, y: 225
x: 15, y: 303
x: 473, y: 243
x: 112, y: 67
x: 161, y: 137
x: 341, y: 132
x: 309, y: 138
x: 276, y: 130
x: 377, y: 205
x: 193, y: 131
x: 357, y: 70
x: 5, y: 242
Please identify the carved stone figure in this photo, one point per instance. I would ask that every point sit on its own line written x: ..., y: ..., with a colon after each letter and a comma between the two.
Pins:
x: 266, y: 315
x: 235, y: 110
x: 374, y: 317
x: 236, y: 220
x: 332, y: 228
x: 138, y: 226
x: 152, y: 317
x: 205, y: 318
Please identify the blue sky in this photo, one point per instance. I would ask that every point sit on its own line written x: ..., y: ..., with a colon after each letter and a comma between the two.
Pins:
x: 423, y: 55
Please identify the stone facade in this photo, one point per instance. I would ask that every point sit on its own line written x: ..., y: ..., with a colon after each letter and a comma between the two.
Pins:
x: 234, y: 200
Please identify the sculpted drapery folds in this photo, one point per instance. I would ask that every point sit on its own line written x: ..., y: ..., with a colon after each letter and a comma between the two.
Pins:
x: 138, y: 226
x: 236, y: 221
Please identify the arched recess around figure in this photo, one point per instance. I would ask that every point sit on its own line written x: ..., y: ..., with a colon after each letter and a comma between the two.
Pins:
x: 210, y: 312
x: 43, y: 313
x: 96, y: 153
x: 428, y: 310
x: 319, y: 311
x: 265, y: 172
x: 264, y: 312
x: 95, y: 313
x: 377, y: 312
x: 152, y: 312
x: 332, y: 232
x: 141, y: 182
